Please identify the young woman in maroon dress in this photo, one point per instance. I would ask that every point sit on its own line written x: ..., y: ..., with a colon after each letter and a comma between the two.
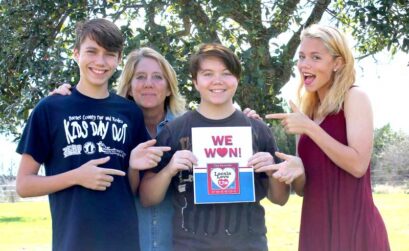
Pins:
x: 335, y: 126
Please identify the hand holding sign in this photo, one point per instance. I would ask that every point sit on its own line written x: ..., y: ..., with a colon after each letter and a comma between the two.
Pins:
x: 181, y: 160
x: 252, y: 114
x: 260, y: 160
x: 293, y: 123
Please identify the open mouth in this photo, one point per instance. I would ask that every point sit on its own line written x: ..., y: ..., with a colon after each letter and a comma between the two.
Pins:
x: 308, y: 78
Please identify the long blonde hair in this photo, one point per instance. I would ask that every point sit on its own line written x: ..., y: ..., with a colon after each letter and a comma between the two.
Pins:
x: 343, y: 78
x: 175, y: 101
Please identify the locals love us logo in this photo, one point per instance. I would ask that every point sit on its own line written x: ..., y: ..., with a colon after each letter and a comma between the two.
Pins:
x: 223, y: 178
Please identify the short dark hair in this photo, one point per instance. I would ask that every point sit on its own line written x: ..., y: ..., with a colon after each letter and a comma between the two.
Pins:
x: 231, y: 61
x: 105, y: 33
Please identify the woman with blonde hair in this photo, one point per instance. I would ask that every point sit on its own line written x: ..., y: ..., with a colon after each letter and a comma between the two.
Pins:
x: 151, y: 82
x: 334, y: 122
x: 163, y: 79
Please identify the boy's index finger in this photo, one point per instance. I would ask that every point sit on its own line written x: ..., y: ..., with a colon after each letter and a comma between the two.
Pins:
x: 110, y: 171
x: 276, y: 116
x: 100, y: 161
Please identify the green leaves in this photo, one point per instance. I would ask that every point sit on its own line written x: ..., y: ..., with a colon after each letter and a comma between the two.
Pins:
x: 37, y: 41
x: 376, y: 24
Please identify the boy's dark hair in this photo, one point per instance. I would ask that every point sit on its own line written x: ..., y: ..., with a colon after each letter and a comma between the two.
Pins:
x: 105, y: 33
x: 231, y: 61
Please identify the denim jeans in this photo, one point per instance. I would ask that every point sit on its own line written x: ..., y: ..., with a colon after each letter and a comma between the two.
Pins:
x: 155, y: 225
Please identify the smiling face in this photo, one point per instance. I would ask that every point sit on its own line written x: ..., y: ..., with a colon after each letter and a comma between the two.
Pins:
x: 96, y: 64
x: 149, y: 86
x: 215, y: 83
x: 316, y: 66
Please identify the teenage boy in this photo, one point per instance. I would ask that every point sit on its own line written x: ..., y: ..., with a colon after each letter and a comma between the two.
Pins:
x: 84, y: 141
x: 215, y: 72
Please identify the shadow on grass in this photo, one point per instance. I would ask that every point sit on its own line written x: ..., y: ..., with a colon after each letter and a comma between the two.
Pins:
x: 16, y: 219
x: 12, y: 219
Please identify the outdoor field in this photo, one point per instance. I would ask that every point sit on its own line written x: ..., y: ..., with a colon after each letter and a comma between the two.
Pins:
x: 27, y: 226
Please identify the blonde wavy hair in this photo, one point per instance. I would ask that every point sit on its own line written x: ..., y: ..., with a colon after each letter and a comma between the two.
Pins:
x: 176, y: 102
x: 342, y: 79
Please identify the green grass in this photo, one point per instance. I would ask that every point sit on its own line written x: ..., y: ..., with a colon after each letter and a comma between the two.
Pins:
x: 283, y: 222
x: 27, y: 225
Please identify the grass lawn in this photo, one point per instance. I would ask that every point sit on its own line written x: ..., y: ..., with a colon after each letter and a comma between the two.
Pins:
x: 27, y: 226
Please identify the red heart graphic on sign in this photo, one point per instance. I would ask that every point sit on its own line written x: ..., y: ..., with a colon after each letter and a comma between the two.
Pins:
x: 223, y: 183
x: 222, y: 151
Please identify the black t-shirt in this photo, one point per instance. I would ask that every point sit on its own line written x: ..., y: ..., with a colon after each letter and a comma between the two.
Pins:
x: 214, y: 220
x: 64, y: 132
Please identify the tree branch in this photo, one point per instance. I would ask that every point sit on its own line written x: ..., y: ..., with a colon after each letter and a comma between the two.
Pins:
x: 187, y: 25
x: 124, y: 8
x: 195, y: 12
x: 292, y: 45
x: 281, y: 18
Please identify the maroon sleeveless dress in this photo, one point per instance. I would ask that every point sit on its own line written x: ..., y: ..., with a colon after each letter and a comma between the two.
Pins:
x: 338, y: 212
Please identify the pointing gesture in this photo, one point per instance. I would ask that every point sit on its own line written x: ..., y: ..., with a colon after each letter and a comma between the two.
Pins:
x: 290, y: 169
x: 286, y: 171
x: 146, y: 155
x: 295, y: 122
x: 91, y: 176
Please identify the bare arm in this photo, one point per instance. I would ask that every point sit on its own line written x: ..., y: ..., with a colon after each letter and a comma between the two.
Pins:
x: 154, y: 186
x: 89, y: 175
x: 134, y: 179
x: 29, y: 183
x: 277, y: 192
x: 298, y: 185
x: 353, y: 158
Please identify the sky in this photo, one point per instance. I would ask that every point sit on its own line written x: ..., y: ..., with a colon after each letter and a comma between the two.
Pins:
x: 387, y: 84
x: 385, y: 79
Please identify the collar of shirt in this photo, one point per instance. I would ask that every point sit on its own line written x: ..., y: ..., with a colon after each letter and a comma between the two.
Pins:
x: 168, y: 117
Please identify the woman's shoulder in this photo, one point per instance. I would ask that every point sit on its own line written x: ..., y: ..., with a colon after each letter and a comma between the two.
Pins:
x: 356, y: 89
x: 357, y: 101
x: 356, y: 94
